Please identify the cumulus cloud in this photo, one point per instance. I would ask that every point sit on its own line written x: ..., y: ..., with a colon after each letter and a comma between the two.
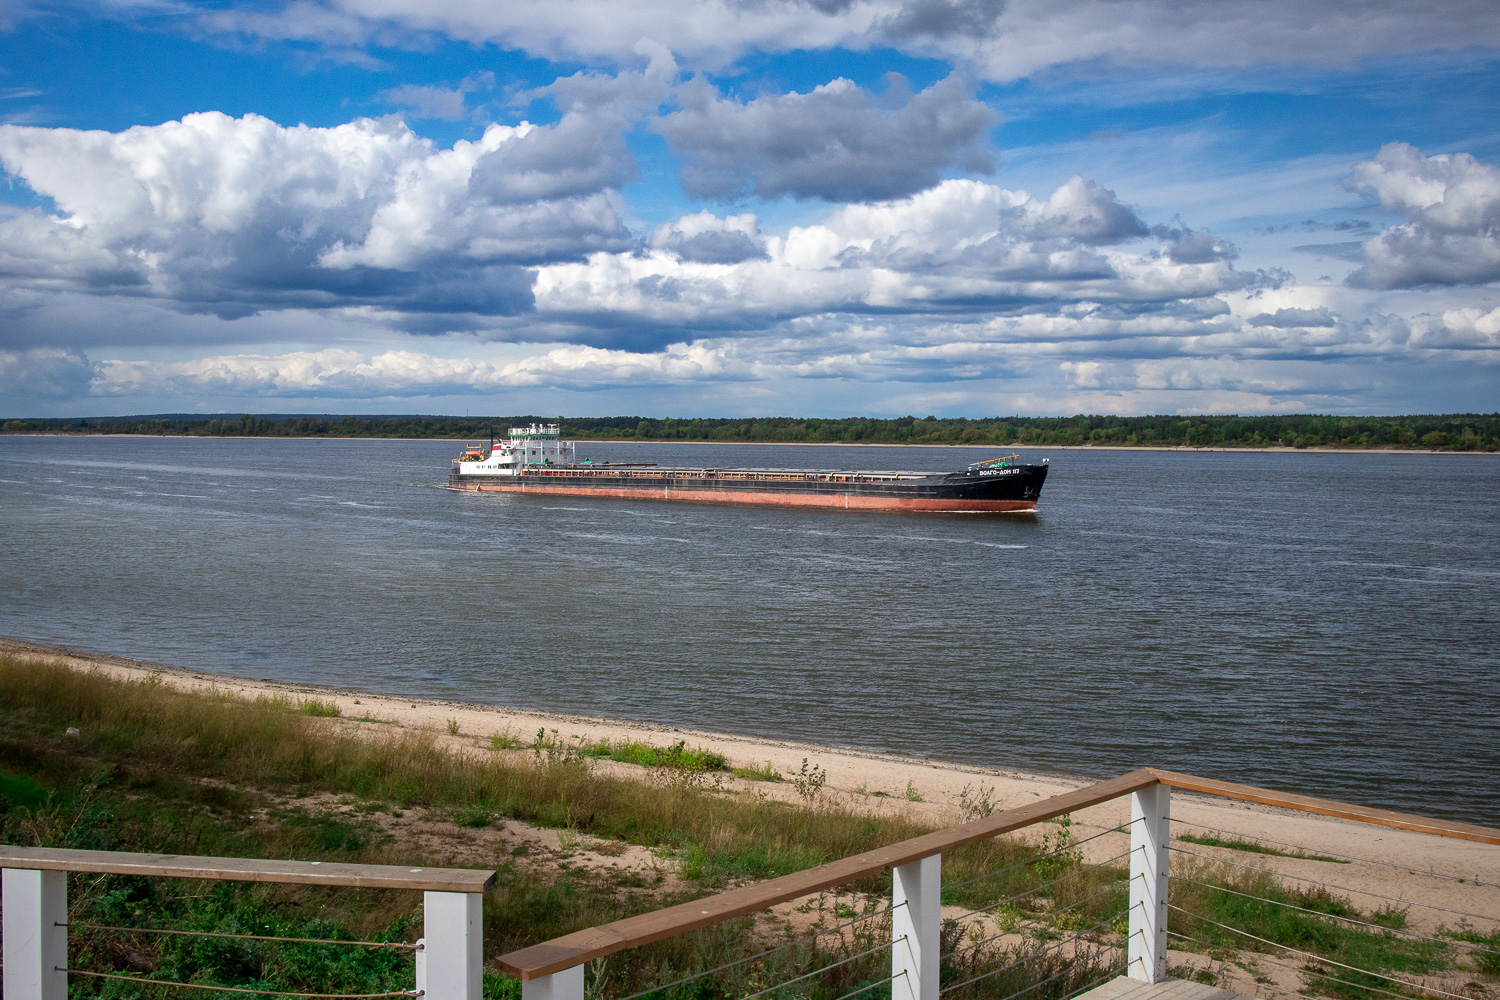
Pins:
x: 239, y: 215
x: 1452, y: 231
x: 960, y: 248
x: 837, y: 142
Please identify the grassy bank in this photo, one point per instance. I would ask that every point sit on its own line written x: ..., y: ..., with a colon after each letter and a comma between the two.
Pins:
x: 91, y: 762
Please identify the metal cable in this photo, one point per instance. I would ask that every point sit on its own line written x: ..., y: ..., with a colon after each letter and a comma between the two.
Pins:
x: 769, y: 951
x: 1330, y: 885
x: 833, y: 965
x: 1413, y: 935
x: 871, y: 986
x: 1319, y: 958
x: 241, y: 989
x: 1027, y: 958
x: 1111, y: 974
x: 1044, y: 885
x: 1034, y: 858
x: 1305, y: 970
x: 994, y: 937
x: 1033, y: 920
x: 244, y: 937
x: 1332, y: 854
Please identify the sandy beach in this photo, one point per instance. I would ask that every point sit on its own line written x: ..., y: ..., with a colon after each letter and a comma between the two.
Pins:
x: 1400, y: 865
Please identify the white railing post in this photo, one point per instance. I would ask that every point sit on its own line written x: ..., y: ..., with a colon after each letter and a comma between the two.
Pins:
x: 450, y: 964
x: 35, y: 934
x: 915, y: 928
x: 566, y: 984
x: 1150, y: 830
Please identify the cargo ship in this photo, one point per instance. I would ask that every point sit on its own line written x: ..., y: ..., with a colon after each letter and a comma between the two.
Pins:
x: 535, y: 459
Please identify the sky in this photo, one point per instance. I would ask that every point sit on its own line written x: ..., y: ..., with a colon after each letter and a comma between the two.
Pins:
x: 749, y: 207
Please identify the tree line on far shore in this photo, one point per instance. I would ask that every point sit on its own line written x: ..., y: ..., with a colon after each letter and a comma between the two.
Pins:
x: 1450, y: 432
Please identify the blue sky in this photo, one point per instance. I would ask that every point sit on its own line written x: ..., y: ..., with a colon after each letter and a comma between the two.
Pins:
x: 813, y: 207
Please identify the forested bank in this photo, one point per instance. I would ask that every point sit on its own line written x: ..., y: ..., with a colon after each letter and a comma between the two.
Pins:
x: 1452, y: 432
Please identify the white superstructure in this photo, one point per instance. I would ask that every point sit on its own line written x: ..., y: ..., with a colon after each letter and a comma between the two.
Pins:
x: 531, y: 446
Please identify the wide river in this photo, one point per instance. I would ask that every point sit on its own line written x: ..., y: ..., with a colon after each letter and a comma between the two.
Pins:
x: 1328, y: 623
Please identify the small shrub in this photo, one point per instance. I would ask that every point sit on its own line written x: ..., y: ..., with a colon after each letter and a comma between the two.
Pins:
x: 767, y: 773
x: 976, y: 803
x: 475, y: 816
x: 319, y: 709
x: 452, y: 727
x: 912, y: 795
x: 809, y: 781
x: 507, y: 740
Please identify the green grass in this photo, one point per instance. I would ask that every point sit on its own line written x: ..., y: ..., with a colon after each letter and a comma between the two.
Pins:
x: 160, y: 770
x: 751, y: 773
x: 1378, y: 951
x: 319, y: 709
x: 1235, y: 844
x: 678, y: 756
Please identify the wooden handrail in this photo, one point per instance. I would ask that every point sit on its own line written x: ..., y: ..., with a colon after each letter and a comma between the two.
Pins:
x: 1329, y: 807
x: 248, y: 870
x: 632, y: 932
x: 596, y: 942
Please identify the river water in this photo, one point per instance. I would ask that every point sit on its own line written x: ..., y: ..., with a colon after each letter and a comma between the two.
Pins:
x: 1326, y: 623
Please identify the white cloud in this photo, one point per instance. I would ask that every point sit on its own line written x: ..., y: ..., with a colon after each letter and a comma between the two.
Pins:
x: 429, y: 101
x: 1003, y: 41
x: 1452, y: 208
x: 836, y: 142
x: 343, y: 373
x: 239, y: 215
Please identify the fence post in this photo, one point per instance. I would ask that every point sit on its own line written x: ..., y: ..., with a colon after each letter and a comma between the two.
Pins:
x: 450, y: 964
x: 920, y: 886
x: 564, y: 985
x: 1150, y: 830
x: 35, y: 934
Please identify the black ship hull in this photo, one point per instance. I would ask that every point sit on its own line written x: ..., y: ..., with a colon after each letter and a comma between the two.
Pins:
x: 984, y: 490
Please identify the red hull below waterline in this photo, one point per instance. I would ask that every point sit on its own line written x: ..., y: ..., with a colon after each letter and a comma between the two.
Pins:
x: 843, y: 501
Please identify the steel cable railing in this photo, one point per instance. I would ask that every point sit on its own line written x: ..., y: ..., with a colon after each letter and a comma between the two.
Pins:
x: 769, y: 951
x: 1026, y: 923
x: 1033, y: 956
x: 1315, y: 957
x: 1332, y: 854
x: 1036, y: 889
x: 1330, y: 885
x: 402, y: 945
x: 89, y: 973
x: 871, y: 986
x: 1056, y: 976
x: 237, y: 989
x: 831, y: 965
x: 949, y: 886
x: 1303, y: 969
x: 1411, y: 935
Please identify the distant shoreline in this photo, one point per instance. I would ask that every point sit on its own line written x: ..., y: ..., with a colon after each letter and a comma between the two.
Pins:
x: 1311, y: 449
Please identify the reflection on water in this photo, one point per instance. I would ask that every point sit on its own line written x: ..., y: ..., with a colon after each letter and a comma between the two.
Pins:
x: 1324, y: 623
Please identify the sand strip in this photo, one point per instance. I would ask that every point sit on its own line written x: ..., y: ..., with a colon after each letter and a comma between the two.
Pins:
x: 1404, y: 866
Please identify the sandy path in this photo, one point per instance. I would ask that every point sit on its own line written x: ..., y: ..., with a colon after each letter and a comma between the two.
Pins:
x: 1423, y: 870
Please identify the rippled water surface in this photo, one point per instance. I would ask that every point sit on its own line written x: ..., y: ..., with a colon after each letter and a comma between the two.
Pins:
x: 1325, y: 623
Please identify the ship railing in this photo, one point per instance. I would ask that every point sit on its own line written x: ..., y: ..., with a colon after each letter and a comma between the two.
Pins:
x: 1063, y: 919
x: 447, y: 959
